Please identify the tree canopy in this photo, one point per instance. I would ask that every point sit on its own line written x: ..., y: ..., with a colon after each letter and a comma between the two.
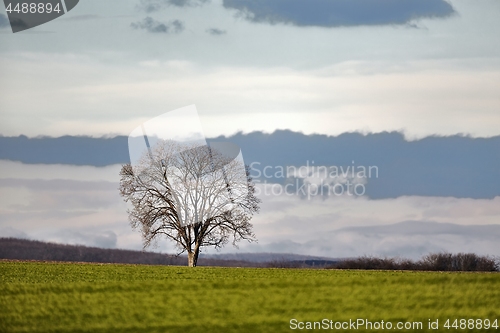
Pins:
x: 194, y: 196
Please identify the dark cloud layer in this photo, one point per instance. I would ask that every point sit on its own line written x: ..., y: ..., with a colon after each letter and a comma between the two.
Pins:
x: 455, y: 166
x: 151, y: 25
x: 151, y: 6
x: 335, y: 13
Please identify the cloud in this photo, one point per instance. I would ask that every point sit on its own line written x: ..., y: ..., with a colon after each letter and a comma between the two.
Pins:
x: 50, y: 171
x: 12, y: 232
x: 382, y: 165
x: 156, y: 5
x: 84, y: 211
x: 105, y: 239
x: 66, y: 211
x: 216, y: 32
x: 349, y: 96
x: 410, y: 239
x: 335, y: 13
x: 151, y: 25
x: 4, y: 21
x: 61, y: 195
x: 346, y: 227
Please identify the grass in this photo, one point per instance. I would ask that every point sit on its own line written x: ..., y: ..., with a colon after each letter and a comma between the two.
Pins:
x: 68, y: 297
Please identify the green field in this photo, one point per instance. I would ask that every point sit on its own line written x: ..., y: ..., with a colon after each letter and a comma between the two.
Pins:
x: 60, y: 297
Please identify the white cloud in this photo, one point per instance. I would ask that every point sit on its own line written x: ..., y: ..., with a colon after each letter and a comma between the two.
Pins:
x: 18, y: 170
x: 91, y: 211
x: 422, y: 99
x: 342, y: 244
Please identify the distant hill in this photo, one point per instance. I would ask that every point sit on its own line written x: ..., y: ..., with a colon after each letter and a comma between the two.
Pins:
x: 23, y: 249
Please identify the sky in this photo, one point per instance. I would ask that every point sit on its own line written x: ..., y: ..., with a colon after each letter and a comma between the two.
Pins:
x: 420, y: 67
x: 425, y: 67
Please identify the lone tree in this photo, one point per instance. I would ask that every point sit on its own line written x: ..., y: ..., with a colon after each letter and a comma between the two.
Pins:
x: 195, y: 196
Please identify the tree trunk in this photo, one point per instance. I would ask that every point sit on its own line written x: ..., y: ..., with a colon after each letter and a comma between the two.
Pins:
x: 193, y: 257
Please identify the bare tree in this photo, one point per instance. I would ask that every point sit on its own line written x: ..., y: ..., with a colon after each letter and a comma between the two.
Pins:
x: 195, y: 196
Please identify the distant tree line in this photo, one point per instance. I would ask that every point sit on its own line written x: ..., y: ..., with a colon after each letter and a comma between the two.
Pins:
x: 308, y: 263
x: 23, y: 249
x: 432, y: 262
